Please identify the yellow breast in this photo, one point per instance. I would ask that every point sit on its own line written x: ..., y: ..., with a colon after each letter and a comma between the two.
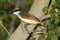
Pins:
x: 28, y: 20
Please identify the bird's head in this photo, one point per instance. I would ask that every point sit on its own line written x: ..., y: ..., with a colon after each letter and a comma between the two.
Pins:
x: 16, y: 11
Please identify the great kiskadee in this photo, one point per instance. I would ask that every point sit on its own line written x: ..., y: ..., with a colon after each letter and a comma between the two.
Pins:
x: 27, y: 18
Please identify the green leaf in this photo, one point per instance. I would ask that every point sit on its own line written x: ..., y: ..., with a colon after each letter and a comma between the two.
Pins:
x: 56, y: 10
x: 53, y: 2
x: 45, y: 10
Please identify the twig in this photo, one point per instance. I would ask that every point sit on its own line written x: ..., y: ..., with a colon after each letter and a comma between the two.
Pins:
x: 5, y: 29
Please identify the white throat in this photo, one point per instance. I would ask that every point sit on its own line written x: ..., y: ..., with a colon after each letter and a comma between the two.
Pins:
x: 16, y: 13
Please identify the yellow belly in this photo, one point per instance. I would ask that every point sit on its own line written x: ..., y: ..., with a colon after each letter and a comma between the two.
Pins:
x: 28, y: 21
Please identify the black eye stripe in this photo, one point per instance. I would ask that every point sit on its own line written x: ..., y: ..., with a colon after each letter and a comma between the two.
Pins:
x: 16, y: 9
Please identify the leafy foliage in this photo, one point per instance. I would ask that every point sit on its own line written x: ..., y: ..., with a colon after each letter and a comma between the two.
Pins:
x: 53, y: 23
x: 45, y: 10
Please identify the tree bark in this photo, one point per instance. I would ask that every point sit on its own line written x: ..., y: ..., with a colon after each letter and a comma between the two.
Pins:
x: 36, y: 10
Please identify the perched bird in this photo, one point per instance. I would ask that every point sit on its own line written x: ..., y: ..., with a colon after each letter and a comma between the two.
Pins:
x: 27, y: 18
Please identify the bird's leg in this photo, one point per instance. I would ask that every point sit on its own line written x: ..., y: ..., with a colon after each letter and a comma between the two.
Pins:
x: 25, y: 26
x: 41, y: 28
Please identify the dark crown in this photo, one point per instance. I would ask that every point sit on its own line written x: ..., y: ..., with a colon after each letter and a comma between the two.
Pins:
x: 17, y: 9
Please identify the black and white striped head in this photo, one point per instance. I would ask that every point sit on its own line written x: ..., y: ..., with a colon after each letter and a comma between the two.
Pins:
x: 16, y: 11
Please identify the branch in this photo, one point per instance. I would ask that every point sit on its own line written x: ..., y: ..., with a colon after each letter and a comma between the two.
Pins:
x: 35, y: 10
x: 5, y: 29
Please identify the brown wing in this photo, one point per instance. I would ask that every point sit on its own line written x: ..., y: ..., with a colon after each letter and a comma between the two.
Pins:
x: 29, y: 16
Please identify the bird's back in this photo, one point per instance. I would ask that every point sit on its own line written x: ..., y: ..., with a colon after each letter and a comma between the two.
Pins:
x: 29, y: 16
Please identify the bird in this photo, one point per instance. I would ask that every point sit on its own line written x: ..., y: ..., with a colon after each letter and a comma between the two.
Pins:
x: 27, y: 18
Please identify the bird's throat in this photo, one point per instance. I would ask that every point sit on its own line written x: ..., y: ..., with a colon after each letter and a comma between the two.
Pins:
x: 19, y: 16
